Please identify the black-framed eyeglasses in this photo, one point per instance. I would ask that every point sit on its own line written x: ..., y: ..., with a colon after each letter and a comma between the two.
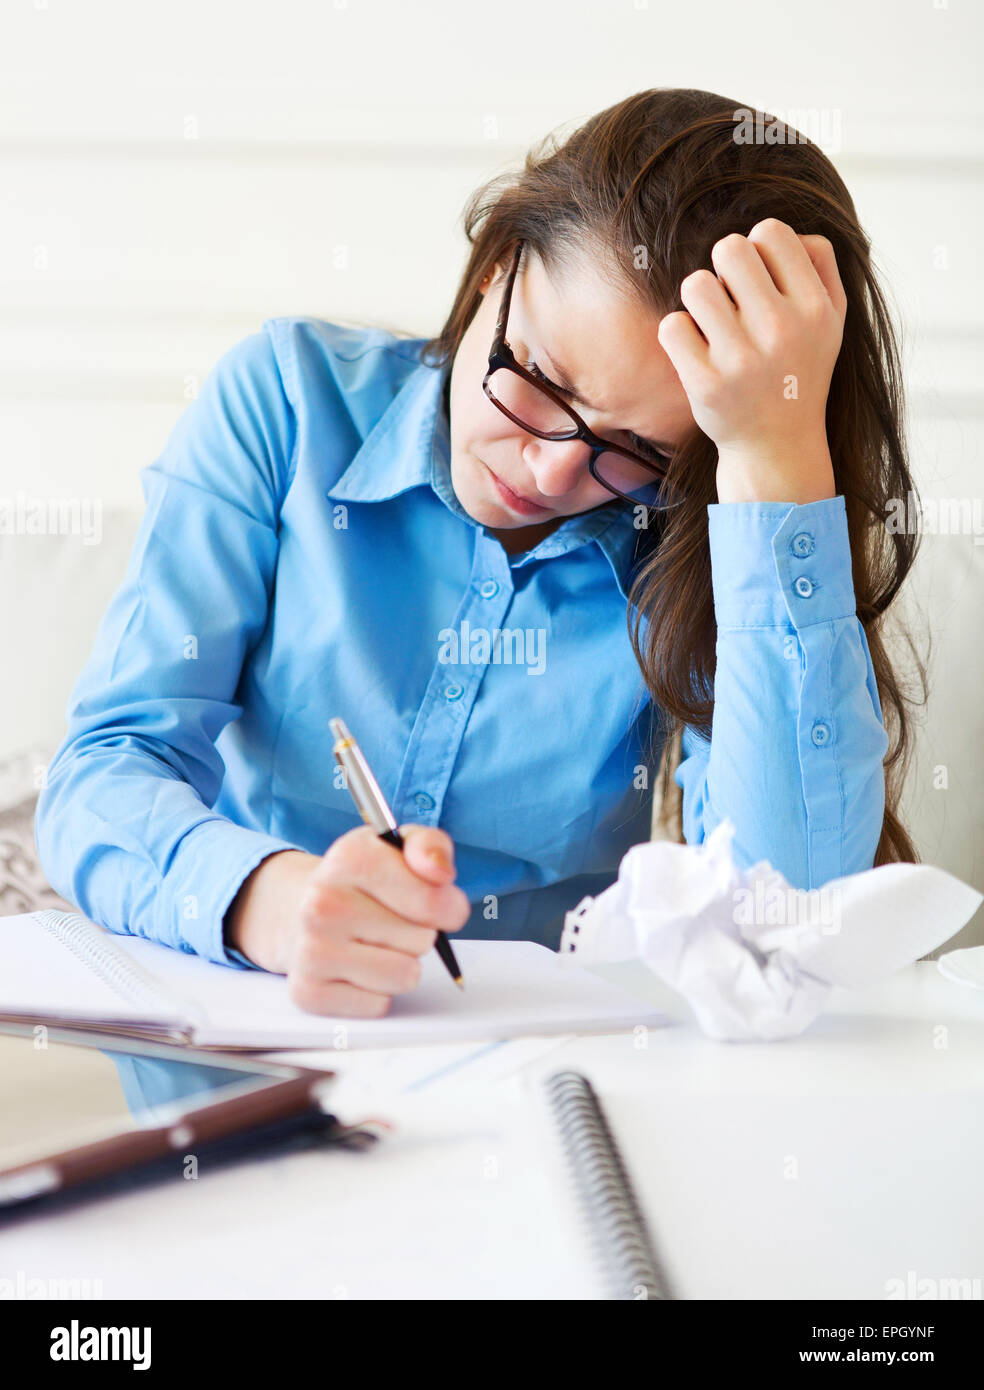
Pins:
x: 537, y: 409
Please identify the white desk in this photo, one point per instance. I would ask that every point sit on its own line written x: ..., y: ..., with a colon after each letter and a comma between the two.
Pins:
x: 824, y: 1167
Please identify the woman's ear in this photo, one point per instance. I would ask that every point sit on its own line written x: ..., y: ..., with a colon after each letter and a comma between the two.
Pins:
x: 487, y: 281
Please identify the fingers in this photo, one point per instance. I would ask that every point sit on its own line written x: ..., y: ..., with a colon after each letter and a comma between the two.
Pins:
x: 335, y: 998
x: 332, y: 972
x: 751, y: 277
x: 361, y: 860
x: 743, y: 272
x: 801, y: 265
x: 707, y: 301
x: 680, y: 339
x: 821, y: 253
x: 783, y: 255
x: 368, y: 913
x: 378, y: 927
x: 326, y: 960
x: 429, y: 852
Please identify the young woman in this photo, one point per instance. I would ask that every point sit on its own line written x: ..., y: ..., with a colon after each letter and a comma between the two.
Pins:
x: 668, y: 377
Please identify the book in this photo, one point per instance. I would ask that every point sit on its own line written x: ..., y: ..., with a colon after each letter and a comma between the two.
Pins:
x: 622, y: 1244
x: 61, y: 969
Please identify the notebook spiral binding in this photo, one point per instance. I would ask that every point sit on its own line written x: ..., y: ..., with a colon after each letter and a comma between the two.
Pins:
x: 91, y: 946
x: 616, y: 1223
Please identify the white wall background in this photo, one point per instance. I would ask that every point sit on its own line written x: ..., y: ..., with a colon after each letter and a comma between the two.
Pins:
x: 173, y: 173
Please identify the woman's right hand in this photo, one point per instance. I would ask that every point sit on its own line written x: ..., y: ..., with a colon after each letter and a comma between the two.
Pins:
x: 348, y: 928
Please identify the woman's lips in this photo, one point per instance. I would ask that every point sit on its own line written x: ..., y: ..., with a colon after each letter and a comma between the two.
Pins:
x: 513, y: 501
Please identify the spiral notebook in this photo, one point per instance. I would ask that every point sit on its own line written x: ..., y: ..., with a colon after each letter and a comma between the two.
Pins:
x: 58, y: 968
x: 618, y: 1232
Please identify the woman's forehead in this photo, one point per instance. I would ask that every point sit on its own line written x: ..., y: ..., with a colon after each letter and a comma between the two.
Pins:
x: 605, y: 337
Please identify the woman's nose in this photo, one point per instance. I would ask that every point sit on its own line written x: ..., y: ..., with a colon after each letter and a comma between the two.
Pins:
x: 557, y: 465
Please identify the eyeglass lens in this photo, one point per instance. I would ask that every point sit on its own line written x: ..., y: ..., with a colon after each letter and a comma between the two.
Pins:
x: 534, y: 410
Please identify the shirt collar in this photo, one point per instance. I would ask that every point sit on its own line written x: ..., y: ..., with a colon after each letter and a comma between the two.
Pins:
x: 409, y: 446
x: 400, y: 450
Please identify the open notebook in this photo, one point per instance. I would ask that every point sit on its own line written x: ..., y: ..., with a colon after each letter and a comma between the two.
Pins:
x: 60, y: 968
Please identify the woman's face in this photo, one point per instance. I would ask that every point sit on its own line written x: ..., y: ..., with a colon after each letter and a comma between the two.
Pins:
x: 574, y: 326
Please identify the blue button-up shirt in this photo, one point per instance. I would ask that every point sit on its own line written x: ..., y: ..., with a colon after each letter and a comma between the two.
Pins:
x: 303, y: 555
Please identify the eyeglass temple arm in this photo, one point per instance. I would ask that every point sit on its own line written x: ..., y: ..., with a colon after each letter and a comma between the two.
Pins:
x: 500, y: 327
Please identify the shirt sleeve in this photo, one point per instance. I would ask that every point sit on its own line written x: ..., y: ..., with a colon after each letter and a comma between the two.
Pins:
x: 124, y: 825
x: 795, y: 758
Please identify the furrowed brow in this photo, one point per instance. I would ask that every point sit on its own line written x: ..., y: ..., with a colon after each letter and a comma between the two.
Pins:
x: 563, y: 380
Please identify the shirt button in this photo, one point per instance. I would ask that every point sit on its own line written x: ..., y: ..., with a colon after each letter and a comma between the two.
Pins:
x: 423, y: 802
x: 803, y: 587
x: 802, y: 545
x: 453, y: 692
x: 489, y: 589
x: 820, y: 734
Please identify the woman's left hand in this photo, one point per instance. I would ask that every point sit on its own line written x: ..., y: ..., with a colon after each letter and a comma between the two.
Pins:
x: 756, y: 367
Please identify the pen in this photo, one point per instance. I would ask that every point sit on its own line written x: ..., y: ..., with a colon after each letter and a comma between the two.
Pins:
x: 374, y: 810
x: 290, y: 1116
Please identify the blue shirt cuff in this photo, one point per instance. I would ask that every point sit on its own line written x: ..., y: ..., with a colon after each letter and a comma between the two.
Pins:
x: 231, y: 853
x: 235, y: 955
x: 778, y: 563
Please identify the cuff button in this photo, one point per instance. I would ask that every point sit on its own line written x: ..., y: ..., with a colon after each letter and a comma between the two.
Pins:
x: 802, y: 545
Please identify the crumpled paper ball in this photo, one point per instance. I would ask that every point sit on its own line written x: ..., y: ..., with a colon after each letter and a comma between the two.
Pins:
x: 754, y: 957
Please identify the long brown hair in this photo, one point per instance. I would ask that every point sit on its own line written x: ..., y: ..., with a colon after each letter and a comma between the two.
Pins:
x: 655, y: 181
